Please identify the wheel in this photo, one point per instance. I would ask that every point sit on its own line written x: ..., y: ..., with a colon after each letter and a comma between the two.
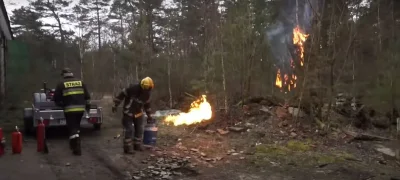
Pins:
x: 28, y: 126
x: 28, y: 121
x: 97, y: 127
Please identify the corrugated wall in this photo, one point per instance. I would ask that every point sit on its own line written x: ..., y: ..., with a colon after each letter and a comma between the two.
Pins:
x: 2, y: 68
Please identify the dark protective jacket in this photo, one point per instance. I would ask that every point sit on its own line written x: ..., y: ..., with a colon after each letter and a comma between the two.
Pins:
x: 72, y: 95
x: 135, y: 99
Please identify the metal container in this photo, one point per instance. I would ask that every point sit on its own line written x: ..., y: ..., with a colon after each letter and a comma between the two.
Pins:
x: 150, y: 134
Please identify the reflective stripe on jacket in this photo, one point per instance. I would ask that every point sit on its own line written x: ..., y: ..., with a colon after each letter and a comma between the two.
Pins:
x: 74, y: 108
x: 72, y: 95
x: 73, y: 91
x: 135, y: 100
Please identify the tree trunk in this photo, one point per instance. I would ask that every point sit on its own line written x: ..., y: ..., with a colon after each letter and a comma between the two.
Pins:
x: 137, y: 72
x: 122, y: 31
x: 81, y: 52
x: 380, y: 29
x: 62, y: 35
x: 169, y: 82
x: 223, y: 78
x: 114, y: 70
x: 297, y: 12
x: 98, y: 24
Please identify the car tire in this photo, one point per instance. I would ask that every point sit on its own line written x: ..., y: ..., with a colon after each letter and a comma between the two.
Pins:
x: 28, y: 126
x: 96, y: 127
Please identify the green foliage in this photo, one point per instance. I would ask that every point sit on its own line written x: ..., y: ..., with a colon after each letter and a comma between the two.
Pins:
x: 25, y: 20
x: 197, y: 85
x: 124, y: 40
x: 25, y: 77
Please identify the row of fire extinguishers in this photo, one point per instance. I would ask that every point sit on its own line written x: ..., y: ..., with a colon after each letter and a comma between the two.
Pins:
x: 16, y: 140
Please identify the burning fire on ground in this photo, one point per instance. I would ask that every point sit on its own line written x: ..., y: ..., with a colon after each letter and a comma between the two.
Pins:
x: 289, y: 80
x: 200, y: 110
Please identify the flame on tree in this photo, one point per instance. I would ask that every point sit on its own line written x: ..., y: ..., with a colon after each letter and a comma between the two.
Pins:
x: 289, y: 80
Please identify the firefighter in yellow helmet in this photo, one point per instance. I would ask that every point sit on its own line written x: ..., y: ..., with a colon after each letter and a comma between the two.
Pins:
x: 136, y: 97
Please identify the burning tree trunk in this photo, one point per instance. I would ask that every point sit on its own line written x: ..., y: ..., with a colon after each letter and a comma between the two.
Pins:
x: 285, y: 79
x: 393, y: 81
x: 169, y: 82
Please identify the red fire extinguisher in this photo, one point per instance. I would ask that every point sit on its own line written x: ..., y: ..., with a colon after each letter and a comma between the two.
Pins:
x: 2, y: 142
x: 16, y: 138
x: 40, y: 136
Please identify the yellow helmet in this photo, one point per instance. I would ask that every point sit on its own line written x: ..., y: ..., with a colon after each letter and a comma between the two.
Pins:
x: 147, y: 83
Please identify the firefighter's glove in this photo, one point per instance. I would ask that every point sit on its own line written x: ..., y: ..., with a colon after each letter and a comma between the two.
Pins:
x: 3, y: 142
x: 138, y: 101
x: 150, y: 120
x: 114, y: 109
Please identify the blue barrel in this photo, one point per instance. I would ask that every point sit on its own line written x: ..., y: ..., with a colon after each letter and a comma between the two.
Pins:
x: 150, y: 134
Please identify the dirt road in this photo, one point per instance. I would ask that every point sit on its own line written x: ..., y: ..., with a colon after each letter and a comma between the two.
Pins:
x: 102, y: 159
x: 93, y: 164
x: 60, y: 164
x: 28, y: 164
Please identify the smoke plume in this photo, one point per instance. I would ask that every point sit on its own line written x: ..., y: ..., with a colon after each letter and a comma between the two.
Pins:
x: 292, y: 13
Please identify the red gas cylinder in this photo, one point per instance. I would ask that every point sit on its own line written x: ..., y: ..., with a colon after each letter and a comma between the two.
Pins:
x: 16, y: 139
x: 2, y: 142
x: 40, y: 136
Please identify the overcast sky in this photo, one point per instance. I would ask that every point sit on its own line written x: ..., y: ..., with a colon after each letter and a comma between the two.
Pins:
x: 13, y: 4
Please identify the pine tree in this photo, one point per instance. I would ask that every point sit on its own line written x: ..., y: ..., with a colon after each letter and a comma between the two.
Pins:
x: 54, y: 9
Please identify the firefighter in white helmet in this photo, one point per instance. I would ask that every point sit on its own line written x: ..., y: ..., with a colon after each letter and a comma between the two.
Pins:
x: 73, y: 96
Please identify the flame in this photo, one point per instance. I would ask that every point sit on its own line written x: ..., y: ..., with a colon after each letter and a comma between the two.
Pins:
x: 298, y: 39
x: 290, y: 80
x: 199, y: 111
x: 278, y: 81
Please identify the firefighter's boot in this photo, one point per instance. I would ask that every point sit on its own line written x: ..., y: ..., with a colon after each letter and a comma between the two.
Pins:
x: 77, y: 148
x: 137, y: 146
x: 128, y: 146
x: 71, y: 145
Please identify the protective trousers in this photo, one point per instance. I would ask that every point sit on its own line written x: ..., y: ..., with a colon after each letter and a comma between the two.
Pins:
x: 133, y: 127
x: 73, y: 123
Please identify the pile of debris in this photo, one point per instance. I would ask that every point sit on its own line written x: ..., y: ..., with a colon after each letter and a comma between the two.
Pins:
x: 165, y: 167
x: 362, y: 115
x: 197, y: 155
x: 349, y: 109
x: 272, y: 105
